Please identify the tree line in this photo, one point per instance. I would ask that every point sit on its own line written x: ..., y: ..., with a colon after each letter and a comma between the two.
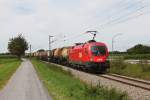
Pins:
x: 139, y: 49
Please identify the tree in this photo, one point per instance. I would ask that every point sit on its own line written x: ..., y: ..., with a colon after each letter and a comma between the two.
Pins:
x: 139, y: 49
x: 17, y: 46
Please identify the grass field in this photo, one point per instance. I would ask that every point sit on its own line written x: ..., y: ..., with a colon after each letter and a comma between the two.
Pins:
x: 141, y: 70
x: 7, y: 67
x: 63, y: 86
x: 7, y: 56
x: 131, y: 56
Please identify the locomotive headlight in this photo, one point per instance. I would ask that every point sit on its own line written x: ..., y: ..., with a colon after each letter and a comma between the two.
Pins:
x: 100, y: 59
x: 91, y: 59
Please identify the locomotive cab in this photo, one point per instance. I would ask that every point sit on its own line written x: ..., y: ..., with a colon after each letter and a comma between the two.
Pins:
x: 98, y: 54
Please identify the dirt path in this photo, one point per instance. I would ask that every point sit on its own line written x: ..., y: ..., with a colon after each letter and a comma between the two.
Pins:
x: 24, y: 85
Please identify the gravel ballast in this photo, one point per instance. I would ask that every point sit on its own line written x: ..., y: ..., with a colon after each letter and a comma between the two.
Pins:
x: 91, y: 79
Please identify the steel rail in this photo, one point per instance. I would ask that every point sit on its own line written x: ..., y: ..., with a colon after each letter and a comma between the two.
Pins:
x: 131, y: 79
x: 128, y: 81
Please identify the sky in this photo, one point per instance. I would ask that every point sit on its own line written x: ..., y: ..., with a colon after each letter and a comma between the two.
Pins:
x: 68, y: 20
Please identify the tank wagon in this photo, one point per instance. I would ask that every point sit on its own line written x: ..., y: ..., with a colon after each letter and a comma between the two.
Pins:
x: 91, y: 55
x: 43, y: 55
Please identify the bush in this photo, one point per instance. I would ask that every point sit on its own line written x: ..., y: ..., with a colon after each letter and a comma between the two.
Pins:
x: 144, y: 65
x: 7, y: 56
x: 138, y: 56
x: 117, y: 66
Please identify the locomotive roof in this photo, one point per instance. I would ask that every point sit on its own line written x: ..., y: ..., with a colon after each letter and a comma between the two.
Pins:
x: 88, y: 43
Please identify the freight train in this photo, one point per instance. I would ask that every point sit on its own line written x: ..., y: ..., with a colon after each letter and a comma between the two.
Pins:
x: 91, y: 56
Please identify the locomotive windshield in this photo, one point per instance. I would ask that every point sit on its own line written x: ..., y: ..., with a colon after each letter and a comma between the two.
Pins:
x: 98, y: 50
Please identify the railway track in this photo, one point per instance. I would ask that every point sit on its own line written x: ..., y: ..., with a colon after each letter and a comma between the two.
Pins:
x: 128, y: 80
x: 143, y: 84
x: 136, y: 89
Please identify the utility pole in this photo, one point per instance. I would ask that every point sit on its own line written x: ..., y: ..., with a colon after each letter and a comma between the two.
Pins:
x: 113, y: 42
x: 30, y: 50
x: 50, y: 45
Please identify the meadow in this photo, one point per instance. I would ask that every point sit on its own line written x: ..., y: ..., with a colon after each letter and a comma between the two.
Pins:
x: 140, y: 70
x: 8, y: 66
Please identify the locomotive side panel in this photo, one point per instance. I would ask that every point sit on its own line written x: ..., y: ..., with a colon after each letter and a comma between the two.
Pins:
x: 75, y: 55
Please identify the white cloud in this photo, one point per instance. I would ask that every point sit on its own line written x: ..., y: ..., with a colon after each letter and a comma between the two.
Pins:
x: 37, y: 19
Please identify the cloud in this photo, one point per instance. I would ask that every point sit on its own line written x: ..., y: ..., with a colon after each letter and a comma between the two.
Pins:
x: 37, y: 19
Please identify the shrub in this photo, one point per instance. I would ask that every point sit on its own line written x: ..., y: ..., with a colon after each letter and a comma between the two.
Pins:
x: 117, y: 65
x: 144, y: 65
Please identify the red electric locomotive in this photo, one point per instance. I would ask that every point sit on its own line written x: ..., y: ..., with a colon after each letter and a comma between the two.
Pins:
x: 91, y: 55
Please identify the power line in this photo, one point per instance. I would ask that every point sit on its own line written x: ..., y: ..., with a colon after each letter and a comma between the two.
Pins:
x: 118, y: 12
x: 120, y: 18
x: 115, y: 21
x: 87, y: 28
x: 132, y: 17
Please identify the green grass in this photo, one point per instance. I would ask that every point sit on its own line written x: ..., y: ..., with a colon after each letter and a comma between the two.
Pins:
x: 131, y: 56
x: 63, y: 85
x: 141, y: 70
x: 138, y: 56
x: 7, y: 67
x: 7, y: 56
